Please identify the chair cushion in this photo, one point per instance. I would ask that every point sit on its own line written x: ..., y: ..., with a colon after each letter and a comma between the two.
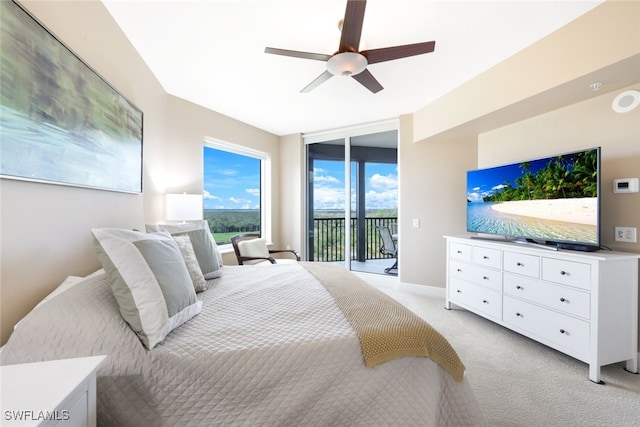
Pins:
x: 254, y: 248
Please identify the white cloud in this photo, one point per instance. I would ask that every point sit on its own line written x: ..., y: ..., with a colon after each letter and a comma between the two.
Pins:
x: 325, y: 180
x: 474, y: 196
x: 253, y: 191
x: 242, y: 202
x: 328, y: 198
x: 382, y: 199
x: 383, y: 182
x: 208, y: 196
x: 320, y: 177
x: 227, y: 172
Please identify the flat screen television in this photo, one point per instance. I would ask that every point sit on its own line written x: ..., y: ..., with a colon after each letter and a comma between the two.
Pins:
x: 554, y: 201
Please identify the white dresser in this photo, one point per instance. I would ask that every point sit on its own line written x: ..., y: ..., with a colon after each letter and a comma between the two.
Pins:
x: 582, y: 304
x: 54, y: 393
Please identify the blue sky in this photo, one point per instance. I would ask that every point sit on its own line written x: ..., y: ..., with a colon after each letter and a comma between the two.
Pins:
x: 227, y: 185
x: 484, y: 182
x: 231, y: 181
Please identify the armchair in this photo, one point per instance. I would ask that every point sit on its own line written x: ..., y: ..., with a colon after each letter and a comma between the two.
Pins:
x: 250, y: 248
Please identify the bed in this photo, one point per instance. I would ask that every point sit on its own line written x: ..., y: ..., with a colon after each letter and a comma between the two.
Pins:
x: 269, y: 346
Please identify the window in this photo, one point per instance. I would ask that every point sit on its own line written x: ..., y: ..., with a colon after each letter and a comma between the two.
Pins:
x: 234, y: 178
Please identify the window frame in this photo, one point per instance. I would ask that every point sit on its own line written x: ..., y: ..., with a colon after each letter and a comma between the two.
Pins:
x: 265, y: 180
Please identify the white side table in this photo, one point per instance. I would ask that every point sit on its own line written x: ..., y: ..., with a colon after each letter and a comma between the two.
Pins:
x: 53, y: 393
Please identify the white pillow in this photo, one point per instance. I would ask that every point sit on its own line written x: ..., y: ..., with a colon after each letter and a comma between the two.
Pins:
x: 254, y: 248
x: 149, y: 279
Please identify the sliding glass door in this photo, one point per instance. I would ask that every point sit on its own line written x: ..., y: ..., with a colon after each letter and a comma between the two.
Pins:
x: 347, y: 203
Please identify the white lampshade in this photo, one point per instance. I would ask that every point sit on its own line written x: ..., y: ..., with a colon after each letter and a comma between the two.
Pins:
x: 183, y: 207
x: 347, y: 64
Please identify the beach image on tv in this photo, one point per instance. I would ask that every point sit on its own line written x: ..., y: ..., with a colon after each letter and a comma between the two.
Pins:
x: 553, y: 199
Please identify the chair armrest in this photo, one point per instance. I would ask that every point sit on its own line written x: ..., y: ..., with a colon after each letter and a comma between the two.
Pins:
x: 291, y: 251
x: 250, y: 258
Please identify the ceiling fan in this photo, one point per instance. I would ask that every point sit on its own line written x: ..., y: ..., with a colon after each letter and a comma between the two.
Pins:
x: 348, y: 61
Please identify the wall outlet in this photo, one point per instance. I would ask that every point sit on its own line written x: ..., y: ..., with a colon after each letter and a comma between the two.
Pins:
x: 626, y: 234
x: 416, y: 222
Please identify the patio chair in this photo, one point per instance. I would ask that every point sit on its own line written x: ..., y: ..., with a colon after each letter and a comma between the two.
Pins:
x: 388, y: 246
x: 250, y: 248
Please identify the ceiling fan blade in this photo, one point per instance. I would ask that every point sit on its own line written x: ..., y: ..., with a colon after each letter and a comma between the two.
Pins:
x: 390, y: 53
x: 317, y: 82
x: 367, y: 80
x: 352, y: 26
x: 297, y: 54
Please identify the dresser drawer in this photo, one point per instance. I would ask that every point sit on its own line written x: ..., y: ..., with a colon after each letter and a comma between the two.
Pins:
x: 568, y: 333
x: 475, y: 274
x: 487, y: 257
x: 527, y: 265
x: 567, y: 272
x: 567, y: 300
x: 459, y: 251
x: 477, y: 298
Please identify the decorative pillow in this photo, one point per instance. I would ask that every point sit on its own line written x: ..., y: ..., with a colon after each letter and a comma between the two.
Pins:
x: 204, y: 245
x: 254, y: 248
x: 149, y: 279
x: 189, y: 255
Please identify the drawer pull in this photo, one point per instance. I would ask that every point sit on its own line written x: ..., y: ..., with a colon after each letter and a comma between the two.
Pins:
x: 518, y: 314
x: 459, y: 270
x: 458, y: 291
x: 484, y: 301
x: 485, y: 278
x: 518, y: 287
x: 459, y: 252
x: 562, y: 331
x: 562, y: 300
x: 519, y: 264
x: 485, y: 257
x: 563, y: 273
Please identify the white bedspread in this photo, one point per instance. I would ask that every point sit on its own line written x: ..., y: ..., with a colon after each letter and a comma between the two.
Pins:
x: 270, y: 347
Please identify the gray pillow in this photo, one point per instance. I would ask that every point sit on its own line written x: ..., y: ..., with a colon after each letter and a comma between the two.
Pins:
x: 149, y: 279
x: 190, y: 259
x: 204, y: 245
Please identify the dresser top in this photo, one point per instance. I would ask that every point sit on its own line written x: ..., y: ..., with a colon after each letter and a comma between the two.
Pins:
x: 541, y: 250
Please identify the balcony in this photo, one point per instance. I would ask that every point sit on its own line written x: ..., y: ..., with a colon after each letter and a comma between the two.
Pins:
x: 329, y: 242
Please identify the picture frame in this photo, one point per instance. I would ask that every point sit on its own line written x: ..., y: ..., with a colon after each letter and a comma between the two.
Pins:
x: 60, y: 121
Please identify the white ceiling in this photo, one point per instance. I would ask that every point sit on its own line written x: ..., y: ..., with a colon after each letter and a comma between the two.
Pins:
x: 211, y: 52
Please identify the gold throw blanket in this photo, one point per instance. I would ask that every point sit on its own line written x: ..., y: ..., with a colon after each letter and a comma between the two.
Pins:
x: 385, y: 327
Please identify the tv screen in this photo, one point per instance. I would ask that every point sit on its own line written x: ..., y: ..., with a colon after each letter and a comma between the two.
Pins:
x: 552, y: 200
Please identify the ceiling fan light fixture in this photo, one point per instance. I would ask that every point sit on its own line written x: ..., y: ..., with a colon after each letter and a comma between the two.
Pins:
x: 347, y: 64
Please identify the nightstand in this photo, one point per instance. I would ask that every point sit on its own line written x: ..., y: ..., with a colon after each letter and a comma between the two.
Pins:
x: 52, y: 393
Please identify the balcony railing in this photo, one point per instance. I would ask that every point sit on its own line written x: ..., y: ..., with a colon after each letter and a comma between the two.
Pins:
x: 328, y: 238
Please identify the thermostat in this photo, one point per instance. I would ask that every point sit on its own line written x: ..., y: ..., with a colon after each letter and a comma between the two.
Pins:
x: 625, y: 185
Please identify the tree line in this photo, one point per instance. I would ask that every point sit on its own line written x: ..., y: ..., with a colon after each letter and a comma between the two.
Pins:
x: 567, y: 176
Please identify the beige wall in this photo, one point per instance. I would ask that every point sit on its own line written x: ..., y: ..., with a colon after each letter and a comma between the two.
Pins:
x: 292, y: 194
x: 432, y: 188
